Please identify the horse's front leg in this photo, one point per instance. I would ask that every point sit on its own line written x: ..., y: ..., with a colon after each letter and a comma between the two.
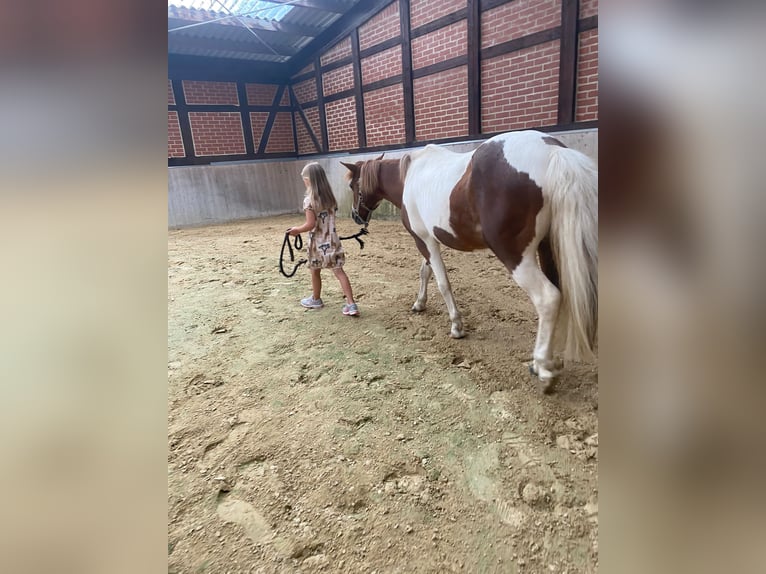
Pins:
x: 440, y: 272
x: 425, y: 275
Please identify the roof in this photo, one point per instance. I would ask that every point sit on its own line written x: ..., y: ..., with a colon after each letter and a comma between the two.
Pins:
x: 266, y: 31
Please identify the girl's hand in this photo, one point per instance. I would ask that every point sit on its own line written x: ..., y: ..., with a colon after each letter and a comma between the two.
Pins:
x: 292, y: 232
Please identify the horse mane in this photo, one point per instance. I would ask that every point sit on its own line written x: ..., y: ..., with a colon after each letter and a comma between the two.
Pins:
x: 369, y: 175
x: 404, y: 165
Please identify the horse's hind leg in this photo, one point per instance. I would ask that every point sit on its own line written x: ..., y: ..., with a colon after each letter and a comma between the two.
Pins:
x: 425, y: 275
x: 546, y: 299
x: 440, y: 272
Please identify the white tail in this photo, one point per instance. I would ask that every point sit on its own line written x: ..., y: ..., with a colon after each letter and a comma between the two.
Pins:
x: 572, y: 186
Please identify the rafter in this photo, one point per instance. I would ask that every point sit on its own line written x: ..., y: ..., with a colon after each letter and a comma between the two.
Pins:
x: 178, y: 42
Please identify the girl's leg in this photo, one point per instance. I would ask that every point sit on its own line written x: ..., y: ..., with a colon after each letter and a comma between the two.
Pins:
x: 345, y: 284
x: 316, y: 284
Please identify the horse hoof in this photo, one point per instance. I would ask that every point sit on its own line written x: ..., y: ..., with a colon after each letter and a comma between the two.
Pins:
x: 457, y: 334
x: 547, y: 386
x: 418, y: 308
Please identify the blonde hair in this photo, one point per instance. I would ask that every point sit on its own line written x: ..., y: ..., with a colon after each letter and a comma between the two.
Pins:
x: 322, y: 197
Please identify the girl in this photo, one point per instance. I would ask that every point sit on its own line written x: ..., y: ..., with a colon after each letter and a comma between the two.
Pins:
x: 324, y: 248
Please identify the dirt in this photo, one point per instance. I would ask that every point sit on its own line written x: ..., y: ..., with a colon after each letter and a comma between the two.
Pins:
x: 309, y: 441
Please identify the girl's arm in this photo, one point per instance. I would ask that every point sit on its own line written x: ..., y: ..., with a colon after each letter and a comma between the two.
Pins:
x: 311, y: 220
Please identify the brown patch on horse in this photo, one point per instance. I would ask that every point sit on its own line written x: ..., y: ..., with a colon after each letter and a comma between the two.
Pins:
x: 550, y: 140
x: 463, y: 218
x: 508, y: 202
x: 422, y: 247
x: 391, y: 185
x: 547, y: 263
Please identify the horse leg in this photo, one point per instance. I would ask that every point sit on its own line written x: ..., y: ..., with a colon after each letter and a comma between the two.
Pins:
x: 425, y: 267
x: 546, y: 299
x: 425, y: 275
x: 440, y: 272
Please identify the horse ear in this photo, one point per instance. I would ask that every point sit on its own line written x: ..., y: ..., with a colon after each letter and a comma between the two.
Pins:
x: 352, y: 167
x: 381, y: 157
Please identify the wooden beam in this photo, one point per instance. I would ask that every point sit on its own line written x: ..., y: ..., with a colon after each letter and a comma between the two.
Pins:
x: 179, y: 42
x: 520, y: 43
x: 339, y: 95
x: 183, y: 118
x: 474, y: 67
x: 383, y: 46
x: 442, y: 66
x: 407, y: 89
x: 570, y: 9
x: 224, y: 70
x: 208, y: 159
x: 439, y: 23
x: 247, y: 127
x: 392, y: 81
x: 320, y: 104
x: 489, y: 4
x: 589, y: 23
x: 231, y: 108
x: 293, y: 101
x: 338, y: 64
x: 361, y: 130
x: 270, y: 122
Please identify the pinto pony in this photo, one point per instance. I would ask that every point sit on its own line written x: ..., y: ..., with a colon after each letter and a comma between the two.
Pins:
x: 525, y: 196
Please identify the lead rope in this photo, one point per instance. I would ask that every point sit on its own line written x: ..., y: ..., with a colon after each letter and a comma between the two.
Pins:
x: 362, y: 231
x: 299, y: 246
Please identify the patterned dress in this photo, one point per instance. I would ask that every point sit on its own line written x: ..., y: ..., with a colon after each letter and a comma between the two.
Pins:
x: 324, y: 248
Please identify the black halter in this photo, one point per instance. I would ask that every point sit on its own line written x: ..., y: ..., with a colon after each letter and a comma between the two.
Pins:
x: 355, y: 211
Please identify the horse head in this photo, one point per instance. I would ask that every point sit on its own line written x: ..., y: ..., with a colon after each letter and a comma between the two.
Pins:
x: 366, y: 193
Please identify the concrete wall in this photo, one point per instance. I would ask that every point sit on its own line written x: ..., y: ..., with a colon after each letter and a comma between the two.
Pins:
x: 208, y: 194
x: 203, y: 195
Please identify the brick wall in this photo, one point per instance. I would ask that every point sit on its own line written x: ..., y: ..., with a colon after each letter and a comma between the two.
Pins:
x: 281, y: 137
x: 382, y: 65
x: 520, y: 90
x: 306, y: 91
x: 312, y: 115
x: 211, y: 92
x: 424, y: 11
x: 384, y: 116
x: 586, y: 106
x: 260, y: 94
x: 341, y: 124
x: 441, y: 105
x: 517, y: 19
x: 305, y: 143
x: 258, y: 124
x: 217, y: 133
x: 175, y: 143
x: 443, y: 44
x: 338, y: 80
x: 588, y: 8
x: 382, y: 26
x: 339, y: 51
